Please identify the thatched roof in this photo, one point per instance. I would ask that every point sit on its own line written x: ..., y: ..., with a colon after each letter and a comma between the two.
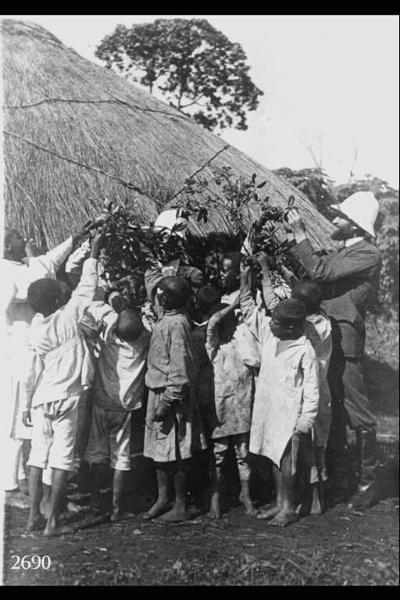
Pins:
x: 76, y: 133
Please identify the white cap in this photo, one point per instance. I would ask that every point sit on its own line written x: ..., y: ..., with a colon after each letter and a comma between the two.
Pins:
x: 362, y: 208
x: 168, y: 218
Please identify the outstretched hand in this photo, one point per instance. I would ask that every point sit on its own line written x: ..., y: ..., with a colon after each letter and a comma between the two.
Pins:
x: 97, y: 243
x: 296, y: 224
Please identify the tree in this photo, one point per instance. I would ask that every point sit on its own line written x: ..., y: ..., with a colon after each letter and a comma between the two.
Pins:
x: 193, y: 65
x: 314, y: 183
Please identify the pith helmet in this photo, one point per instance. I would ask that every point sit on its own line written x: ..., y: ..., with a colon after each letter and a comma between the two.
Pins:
x: 362, y: 208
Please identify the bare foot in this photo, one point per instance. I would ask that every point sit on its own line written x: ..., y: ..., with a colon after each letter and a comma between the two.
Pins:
x: 120, y: 515
x: 283, y: 518
x: 36, y: 523
x: 316, y: 505
x: 268, y: 512
x: 248, y: 505
x: 160, y: 507
x: 214, y: 513
x: 53, y: 531
x: 175, y: 516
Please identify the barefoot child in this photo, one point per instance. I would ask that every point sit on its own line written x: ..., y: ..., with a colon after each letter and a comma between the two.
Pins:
x: 118, y: 391
x: 287, y: 396
x: 318, y: 330
x: 169, y: 432
x: 58, y: 373
x: 232, y: 403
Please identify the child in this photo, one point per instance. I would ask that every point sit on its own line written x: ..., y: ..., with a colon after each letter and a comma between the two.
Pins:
x: 318, y: 330
x: 118, y: 391
x: 169, y: 434
x: 287, y: 396
x: 58, y: 373
x: 207, y: 297
x: 233, y: 395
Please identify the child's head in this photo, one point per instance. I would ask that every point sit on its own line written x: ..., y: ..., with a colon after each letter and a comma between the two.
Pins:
x: 287, y: 319
x: 45, y: 296
x: 206, y: 298
x: 129, y: 326
x: 230, y: 272
x: 65, y: 291
x: 309, y: 292
x: 14, y: 244
x: 173, y: 292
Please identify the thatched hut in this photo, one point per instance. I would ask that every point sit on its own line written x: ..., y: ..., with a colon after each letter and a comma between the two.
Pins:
x: 76, y: 134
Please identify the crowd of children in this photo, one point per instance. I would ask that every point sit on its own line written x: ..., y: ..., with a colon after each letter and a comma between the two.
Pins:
x: 214, y: 367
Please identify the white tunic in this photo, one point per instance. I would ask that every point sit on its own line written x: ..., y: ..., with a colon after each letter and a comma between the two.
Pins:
x: 287, y: 388
x: 15, y: 316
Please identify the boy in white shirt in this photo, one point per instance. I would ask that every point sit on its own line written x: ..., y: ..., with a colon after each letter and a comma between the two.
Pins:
x: 58, y: 372
x: 118, y: 391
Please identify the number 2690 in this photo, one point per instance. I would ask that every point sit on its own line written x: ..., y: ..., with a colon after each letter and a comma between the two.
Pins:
x: 31, y: 561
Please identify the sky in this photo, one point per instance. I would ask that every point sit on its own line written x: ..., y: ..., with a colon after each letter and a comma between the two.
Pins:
x: 331, y: 86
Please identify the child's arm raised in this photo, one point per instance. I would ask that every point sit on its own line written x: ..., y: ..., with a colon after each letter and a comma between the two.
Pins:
x: 85, y: 291
x: 50, y: 262
x: 270, y: 298
x: 255, y: 319
x: 310, y: 405
x: 212, y: 340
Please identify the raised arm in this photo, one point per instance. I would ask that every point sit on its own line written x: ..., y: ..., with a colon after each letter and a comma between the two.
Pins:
x: 254, y: 317
x: 330, y: 267
x: 49, y: 263
x: 270, y: 298
x: 212, y: 339
x: 85, y: 291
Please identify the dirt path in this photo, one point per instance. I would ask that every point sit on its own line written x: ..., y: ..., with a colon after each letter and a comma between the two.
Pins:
x: 342, y: 547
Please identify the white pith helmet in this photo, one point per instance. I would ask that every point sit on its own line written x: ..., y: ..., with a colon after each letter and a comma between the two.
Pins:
x: 170, y: 217
x: 362, y: 208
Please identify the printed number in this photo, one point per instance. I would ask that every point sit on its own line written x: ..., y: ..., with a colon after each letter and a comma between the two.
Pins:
x: 31, y: 561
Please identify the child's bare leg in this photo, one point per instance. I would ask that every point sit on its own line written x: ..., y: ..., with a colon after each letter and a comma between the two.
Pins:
x: 35, y: 520
x: 241, y: 451
x: 273, y: 508
x: 45, y: 503
x: 96, y: 478
x: 162, y: 503
x: 215, y: 506
x: 220, y: 447
x: 178, y: 512
x: 285, y: 482
x: 318, y: 491
x: 58, y: 485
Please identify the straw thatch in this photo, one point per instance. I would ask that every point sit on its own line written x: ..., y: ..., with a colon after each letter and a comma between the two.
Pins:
x: 76, y: 134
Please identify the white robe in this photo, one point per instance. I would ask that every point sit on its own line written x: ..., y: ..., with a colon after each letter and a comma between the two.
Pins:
x: 287, y: 387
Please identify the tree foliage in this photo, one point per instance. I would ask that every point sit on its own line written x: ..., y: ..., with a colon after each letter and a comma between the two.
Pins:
x: 314, y: 183
x: 196, y: 67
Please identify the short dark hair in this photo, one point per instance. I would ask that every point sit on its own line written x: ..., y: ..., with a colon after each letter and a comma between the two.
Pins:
x: 309, y: 292
x: 129, y: 326
x: 43, y: 295
x: 176, y: 291
x: 235, y: 258
x: 206, y: 297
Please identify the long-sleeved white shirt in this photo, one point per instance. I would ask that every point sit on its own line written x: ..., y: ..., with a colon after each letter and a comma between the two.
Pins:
x: 60, y: 364
x: 121, y: 366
